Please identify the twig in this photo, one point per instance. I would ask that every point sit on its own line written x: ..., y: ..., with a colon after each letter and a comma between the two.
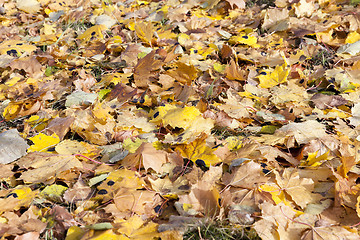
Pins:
x: 92, y: 160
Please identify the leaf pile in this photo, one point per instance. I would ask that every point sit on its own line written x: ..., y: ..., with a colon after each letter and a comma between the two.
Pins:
x: 135, y: 119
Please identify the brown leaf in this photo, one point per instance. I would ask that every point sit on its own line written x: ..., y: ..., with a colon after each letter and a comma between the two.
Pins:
x: 144, y: 70
x: 29, y: 64
x: 248, y: 175
x: 148, y: 156
x: 122, y: 92
x: 323, y: 101
x: 233, y: 71
x: 60, y: 126
x: 237, y: 3
x: 43, y: 166
x: 79, y: 192
x: 184, y: 73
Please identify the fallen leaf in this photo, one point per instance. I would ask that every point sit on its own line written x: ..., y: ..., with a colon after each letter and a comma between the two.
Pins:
x: 323, y: 101
x: 199, y: 153
x: 9, y: 151
x: 44, y: 166
x: 43, y: 142
x: 271, y: 79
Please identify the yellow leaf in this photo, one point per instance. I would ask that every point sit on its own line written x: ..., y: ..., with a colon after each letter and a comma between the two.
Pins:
x: 11, y: 111
x: 334, y: 113
x: 101, y: 111
x: 234, y: 143
x: 108, y: 235
x: 277, y: 195
x: 144, y: 31
x: 269, y: 80
x: 244, y: 39
x: 166, y: 34
x: 184, y: 73
x: 314, y: 161
x: 198, y: 152
x: 71, y: 147
x: 39, y: 123
x: 53, y: 192
x: 176, y: 117
x: 22, y: 193
x: 131, y: 146
x: 12, y: 81
x: 204, y: 14
x: 219, y: 67
x: 352, y: 37
x: 358, y: 206
x: 42, y: 142
x: 75, y: 233
x: 183, y: 38
x: 135, y: 228
x: 16, y: 47
x: 20, y: 197
x: 49, y: 29
x: 93, y: 33
x: 3, y: 220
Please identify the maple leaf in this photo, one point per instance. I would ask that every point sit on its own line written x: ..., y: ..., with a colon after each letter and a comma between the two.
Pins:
x: 92, y: 33
x: 199, y: 153
x: 184, y: 73
x: 147, y: 156
x: 176, y: 117
x: 144, y: 69
x: 136, y: 228
x: 233, y: 71
x: 204, y: 196
x: 144, y: 31
x: 300, y: 190
x: 247, y: 175
x: 271, y: 79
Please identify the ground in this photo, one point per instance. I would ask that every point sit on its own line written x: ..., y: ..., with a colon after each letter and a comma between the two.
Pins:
x: 217, y: 119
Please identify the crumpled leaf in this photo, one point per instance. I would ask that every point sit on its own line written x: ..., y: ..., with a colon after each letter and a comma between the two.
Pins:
x: 184, y: 73
x: 145, y: 68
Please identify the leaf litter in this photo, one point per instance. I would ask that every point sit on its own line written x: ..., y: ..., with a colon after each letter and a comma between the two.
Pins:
x: 142, y: 119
